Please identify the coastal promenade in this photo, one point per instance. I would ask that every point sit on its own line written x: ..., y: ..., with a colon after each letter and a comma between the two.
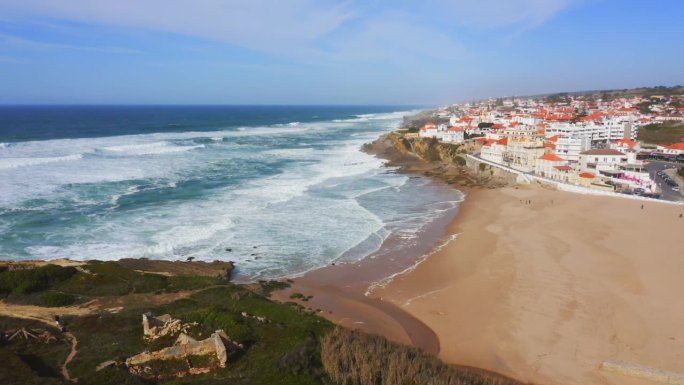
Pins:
x: 526, y: 177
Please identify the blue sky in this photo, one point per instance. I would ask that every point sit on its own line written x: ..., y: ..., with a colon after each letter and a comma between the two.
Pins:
x: 331, y: 52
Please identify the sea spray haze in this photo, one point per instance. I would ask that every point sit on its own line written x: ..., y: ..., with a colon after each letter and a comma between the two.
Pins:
x: 279, y: 190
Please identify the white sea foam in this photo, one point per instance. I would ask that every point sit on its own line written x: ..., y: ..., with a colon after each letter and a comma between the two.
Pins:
x: 318, y: 184
x: 154, y: 148
x: 129, y: 191
x: 7, y: 163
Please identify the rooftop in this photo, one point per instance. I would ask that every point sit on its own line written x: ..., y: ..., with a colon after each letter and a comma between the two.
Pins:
x: 602, y: 151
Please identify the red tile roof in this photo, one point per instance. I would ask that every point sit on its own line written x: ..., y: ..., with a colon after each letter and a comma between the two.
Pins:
x: 587, y: 175
x: 551, y: 157
x: 626, y: 143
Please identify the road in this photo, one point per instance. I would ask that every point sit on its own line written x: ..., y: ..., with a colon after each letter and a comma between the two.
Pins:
x: 667, y: 193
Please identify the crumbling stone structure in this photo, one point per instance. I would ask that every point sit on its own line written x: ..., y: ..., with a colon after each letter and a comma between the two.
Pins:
x: 155, y: 327
x: 187, y: 346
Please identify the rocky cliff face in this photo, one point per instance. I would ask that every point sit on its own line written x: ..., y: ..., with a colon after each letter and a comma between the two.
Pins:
x: 440, y: 160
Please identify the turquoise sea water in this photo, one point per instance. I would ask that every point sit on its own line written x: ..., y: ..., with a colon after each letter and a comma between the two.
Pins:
x: 279, y: 190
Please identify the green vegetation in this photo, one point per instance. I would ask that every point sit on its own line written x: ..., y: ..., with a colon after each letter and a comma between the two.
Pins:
x: 354, y: 358
x: 52, y: 285
x: 56, y: 299
x: 284, y: 337
x: 111, y: 279
x: 16, y: 369
x: 562, y: 97
x: 31, y: 361
x: 26, y: 281
x: 664, y: 133
x: 643, y: 107
x: 608, y: 95
x: 280, y: 343
x: 265, y: 288
x: 680, y: 171
x: 431, y: 154
x: 413, y: 123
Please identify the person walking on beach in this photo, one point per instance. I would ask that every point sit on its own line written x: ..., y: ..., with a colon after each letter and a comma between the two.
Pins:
x: 642, y: 207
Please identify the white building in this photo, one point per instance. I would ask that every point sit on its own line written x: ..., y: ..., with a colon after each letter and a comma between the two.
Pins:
x: 454, y: 135
x: 494, y: 150
x: 430, y: 130
x: 609, y: 129
x: 602, y: 159
x: 625, y: 145
x: 675, y: 149
x: 571, y: 147
x: 550, y: 166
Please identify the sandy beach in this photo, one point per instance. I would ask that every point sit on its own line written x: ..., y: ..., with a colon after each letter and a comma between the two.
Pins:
x: 545, y: 292
x: 542, y: 292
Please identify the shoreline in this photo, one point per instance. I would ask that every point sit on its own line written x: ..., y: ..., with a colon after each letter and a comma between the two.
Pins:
x: 547, y: 292
x: 544, y: 292
x: 588, y: 259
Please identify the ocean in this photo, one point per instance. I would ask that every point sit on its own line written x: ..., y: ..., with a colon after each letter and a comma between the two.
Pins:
x: 279, y: 190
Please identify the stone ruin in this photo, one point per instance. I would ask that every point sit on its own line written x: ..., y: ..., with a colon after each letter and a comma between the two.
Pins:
x: 187, y: 346
x: 217, y: 344
x: 155, y: 327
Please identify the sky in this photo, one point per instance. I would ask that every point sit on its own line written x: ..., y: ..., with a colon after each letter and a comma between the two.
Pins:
x: 424, y: 52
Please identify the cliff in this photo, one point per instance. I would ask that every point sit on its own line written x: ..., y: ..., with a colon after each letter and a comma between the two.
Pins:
x: 444, y: 161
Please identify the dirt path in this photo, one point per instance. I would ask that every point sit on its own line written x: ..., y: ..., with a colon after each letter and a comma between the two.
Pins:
x: 72, y: 354
x: 47, y: 315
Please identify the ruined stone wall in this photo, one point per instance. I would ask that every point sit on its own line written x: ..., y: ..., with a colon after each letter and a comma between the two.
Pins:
x: 198, y: 348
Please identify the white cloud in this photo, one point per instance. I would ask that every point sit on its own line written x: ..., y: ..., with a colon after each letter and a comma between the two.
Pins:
x: 351, y: 29
x: 395, y: 38
x: 9, y: 40
x: 264, y: 25
x: 499, y: 13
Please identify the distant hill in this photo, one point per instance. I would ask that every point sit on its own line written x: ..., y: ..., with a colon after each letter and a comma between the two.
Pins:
x: 607, y: 95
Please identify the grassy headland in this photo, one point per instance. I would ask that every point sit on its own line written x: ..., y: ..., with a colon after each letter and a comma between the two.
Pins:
x: 280, y: 343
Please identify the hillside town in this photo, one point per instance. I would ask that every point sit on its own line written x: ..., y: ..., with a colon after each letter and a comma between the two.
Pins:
x: 578, y: 140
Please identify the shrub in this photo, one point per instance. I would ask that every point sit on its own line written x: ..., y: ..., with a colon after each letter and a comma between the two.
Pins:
x: 353, y: 358
x: 482, y: 166
x: 431, y: 154
x: 268, y: 287
x: 32, y: 280
x: 56, y: 299
x: 459, y: 160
